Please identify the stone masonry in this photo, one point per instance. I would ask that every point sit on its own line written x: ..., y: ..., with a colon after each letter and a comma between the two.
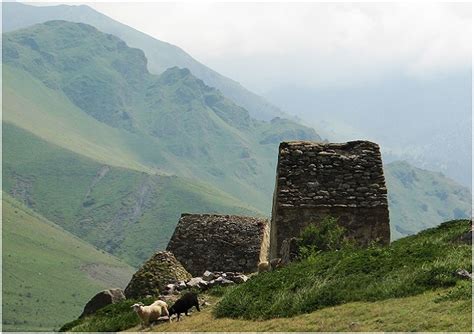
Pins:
x: 343, y: 180
x: 155, y: 274
x: 219, y: 242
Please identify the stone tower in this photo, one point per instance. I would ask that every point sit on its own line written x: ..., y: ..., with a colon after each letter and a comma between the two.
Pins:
x: 219, y: 242
x: 343, y: 180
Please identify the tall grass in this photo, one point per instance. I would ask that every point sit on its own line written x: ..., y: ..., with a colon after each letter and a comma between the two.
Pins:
x: 407, y: 267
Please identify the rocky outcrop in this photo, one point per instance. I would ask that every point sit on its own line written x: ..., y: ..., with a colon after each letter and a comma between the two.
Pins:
x: 463, y: 274
x: 103, y: 171
x: 101, y: 300
x: 218, y: 242
x: 207, y: 280
x: 343, y: 180
x: 161, y: 269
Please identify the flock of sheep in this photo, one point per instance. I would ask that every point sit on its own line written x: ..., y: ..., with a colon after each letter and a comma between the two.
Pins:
x: 159, y: 308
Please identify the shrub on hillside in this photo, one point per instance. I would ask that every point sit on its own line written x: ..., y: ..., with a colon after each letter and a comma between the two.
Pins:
x: 407, y: 267
x: 328, y: 235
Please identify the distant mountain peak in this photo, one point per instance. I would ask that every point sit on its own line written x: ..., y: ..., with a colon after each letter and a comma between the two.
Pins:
x: 161, y: 55
x: 174, y: 74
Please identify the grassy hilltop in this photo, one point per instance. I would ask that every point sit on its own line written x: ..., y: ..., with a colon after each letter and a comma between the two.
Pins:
x: 407, y: 286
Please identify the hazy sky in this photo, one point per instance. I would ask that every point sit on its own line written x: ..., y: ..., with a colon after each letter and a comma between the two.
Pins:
x: 265, y: 45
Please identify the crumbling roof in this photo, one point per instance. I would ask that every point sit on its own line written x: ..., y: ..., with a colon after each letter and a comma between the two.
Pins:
x: 314, y: 174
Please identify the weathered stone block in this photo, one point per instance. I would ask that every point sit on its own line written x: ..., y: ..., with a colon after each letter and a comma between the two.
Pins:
x: 234, y: 243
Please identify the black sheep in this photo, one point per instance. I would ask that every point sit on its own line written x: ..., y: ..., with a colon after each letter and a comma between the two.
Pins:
x: 184, y: 303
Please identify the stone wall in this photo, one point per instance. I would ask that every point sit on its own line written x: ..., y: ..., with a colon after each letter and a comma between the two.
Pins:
x: 218, y: 242
x: 343, y: 180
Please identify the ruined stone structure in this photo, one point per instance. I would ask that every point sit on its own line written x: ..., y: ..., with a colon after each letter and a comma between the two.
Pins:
x: 155, y: 274
x: 219, y: 242
x: 315, y: 180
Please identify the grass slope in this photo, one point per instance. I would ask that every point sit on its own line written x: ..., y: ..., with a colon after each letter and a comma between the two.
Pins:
x: 49, y: 274
x: 407, y: 267
x: 421, y: 313
x: 125, y: 212
x: 408, y: 286
x: 425, y: 312
x: 161, y: 55
x: 50, y: 115
x: 172, y: 122
x: 420, y: 199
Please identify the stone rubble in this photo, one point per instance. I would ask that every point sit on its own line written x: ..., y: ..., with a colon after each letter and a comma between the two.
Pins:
x: 463, y: 273
x: 207, y: 280
x: 155, y: 275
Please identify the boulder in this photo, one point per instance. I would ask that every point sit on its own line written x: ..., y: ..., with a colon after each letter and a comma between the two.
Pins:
x: 155, y: 274
x: 223, y: 281
x: 169, y: 289
x: 181, y: 285
x: 208, y: 276
x: 102, y: 299
x: 196, y: 282
x: 241, y: 278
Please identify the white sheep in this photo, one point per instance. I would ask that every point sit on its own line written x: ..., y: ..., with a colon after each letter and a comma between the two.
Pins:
x: 151, y: 312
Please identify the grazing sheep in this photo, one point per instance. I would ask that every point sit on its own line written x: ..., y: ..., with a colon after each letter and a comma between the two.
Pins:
x: 162, y: 304
x: 151, y: 312
x: 184, y: 303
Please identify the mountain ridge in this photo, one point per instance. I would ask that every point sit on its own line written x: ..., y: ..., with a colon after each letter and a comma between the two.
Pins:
x: 161, y: 55
x: 186, y: 127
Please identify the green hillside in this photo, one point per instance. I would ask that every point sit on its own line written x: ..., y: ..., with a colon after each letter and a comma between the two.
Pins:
x: 173, y: 123
x: 49, y: 274
x: 407, y: 286
x: 125, y: 212
x: 406, y: 267
x: 420, y: 199
x: 160, y: 55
